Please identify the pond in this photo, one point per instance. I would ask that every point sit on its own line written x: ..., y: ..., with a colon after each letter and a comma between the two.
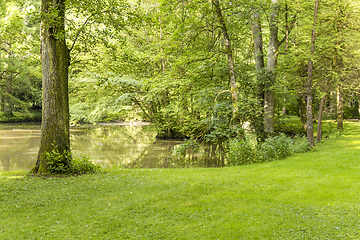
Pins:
x: 126, y: 146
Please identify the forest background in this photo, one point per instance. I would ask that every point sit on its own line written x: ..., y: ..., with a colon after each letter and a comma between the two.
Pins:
x: 196, y: 69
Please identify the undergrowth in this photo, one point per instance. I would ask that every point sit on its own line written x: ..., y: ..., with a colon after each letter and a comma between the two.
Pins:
x: 67, y: 164
x: 242, y: 152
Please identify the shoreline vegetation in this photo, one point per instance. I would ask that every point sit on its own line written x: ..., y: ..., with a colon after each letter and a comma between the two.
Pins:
x: 35, y: 116
x: 31, y: 115
x: 305, y: 196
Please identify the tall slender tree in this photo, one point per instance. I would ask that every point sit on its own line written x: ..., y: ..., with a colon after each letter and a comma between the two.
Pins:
x: 260, y: 66
x: 309, y: 96
x: 229, y: 53
x: 269, y: 104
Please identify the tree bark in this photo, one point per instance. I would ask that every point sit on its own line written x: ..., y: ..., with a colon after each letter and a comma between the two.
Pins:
x: 302, y: 110
x: 234, y: 94
x: 269, y: 104
x: 321, y: 111
x: 319, y: 126
x: 260, y: 66
x: 340, y: 108
x: 55, y: 60
x: 310, y: 129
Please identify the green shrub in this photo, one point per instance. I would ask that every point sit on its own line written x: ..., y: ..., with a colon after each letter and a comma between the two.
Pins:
x: 58, y: 163
x: 276, y: 147
x: 67, y: 164
x: 300, y: 144
x: 240, y: 152
x: 82, y: 165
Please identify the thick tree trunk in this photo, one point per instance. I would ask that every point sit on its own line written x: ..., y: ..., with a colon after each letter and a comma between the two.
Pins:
x: 55, y: 61
x: 340, y: 108
x: 269, y: 104
x: 260, y: 66
x: 310, y: 129
x: 234, y: 95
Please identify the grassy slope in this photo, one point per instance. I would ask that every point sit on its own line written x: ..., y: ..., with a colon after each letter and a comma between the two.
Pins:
x: 308, y: 196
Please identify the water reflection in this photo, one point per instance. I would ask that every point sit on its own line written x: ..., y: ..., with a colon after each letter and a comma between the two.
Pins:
x: 19, y: 144
x: 125, y: 146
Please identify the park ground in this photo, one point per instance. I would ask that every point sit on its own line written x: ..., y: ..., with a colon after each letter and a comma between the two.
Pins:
x: 306, y: 196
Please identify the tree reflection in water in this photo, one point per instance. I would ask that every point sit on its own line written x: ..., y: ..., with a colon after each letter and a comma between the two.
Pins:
x: 125, y: 146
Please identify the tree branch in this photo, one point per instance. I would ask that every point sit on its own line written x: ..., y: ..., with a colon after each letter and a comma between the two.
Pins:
x: 78, y: 34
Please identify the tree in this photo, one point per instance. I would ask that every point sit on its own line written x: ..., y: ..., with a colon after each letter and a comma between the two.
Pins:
x: 55, y: 59
x: 310, y: 129
x: 19, y: 74
x: 338, y: 40
x: 229, y: 53
x: 259, y: 66
x: 269, y: 103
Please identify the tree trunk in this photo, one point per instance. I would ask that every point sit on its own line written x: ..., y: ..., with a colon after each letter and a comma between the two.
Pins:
x: 260, y: 66
x: 234, y: 95
x: 269, y: 104
x: 287, y: 32
x: 340, y: 108
x: 302, y: 110
x: 310, y: 129
x: 55, y: 59
x: 321, y: 111
x: 319, y: 126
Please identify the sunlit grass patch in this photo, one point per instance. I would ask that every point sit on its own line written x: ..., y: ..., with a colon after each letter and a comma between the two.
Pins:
x: 306, y: 196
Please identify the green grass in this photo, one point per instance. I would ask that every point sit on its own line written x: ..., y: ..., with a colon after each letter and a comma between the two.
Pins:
x: 307, y: 196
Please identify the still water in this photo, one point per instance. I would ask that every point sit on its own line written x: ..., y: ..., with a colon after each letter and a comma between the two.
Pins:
x: 128, y: 146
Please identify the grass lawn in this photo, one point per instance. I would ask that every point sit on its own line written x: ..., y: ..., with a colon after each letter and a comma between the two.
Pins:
x: 307, y: 196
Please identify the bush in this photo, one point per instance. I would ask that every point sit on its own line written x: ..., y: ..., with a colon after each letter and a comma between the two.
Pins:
x: 67, y: 164
x: 300, y: 145
x: 83, y: 165
x: 240, y: 152
x: 277, y: 147
x: 58, y: 163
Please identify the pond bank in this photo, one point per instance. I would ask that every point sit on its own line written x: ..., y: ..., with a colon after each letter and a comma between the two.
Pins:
x: 129, y: 145
x: 306, y: 196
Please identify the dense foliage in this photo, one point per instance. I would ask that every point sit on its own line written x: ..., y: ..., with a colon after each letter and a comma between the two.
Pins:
x: 166, y: 64
x: 20, y: 77
x: 175, y: 64
x: 67, y: 164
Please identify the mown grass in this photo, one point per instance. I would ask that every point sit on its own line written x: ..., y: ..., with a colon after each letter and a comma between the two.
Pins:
x: 307, y: 196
